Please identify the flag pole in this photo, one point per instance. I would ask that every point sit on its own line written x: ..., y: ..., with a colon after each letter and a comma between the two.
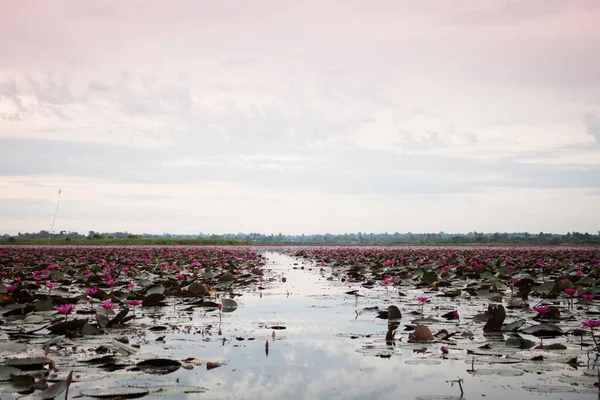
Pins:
x: 55, y: 212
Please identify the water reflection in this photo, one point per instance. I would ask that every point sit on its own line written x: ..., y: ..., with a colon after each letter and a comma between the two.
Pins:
x: 316, y: 357
x: 333, y: 347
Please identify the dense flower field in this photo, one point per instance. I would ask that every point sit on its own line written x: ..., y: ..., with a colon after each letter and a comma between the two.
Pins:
x: 568, y: 268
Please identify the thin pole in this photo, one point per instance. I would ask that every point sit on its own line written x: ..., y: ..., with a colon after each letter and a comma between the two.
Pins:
x: 55, y: 212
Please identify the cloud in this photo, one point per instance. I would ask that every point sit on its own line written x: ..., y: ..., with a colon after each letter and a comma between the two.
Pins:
x: 373, y: 105
x: 592, y: 125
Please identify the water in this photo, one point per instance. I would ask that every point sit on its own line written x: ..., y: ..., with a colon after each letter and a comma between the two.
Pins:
x: 331, y: 349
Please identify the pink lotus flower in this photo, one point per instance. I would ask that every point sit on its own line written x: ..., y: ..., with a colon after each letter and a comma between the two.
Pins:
x: 587, y: 297
x: 50, y: 285
x: 180, y: 276
x: 111, y: 282
x: 11, y: 288
x: 592, y: 323
x: 541, y: 309
x: 91, y: 291
x: 107, y: 305
x: 65, y: 308
x: 423, y: 299
x: 131, y: 285
x: 571, y: 291
x: 444, y: 350
x: 579, y: 273
x: 133, y: 303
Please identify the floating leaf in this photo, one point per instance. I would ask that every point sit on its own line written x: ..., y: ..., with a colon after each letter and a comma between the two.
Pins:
x: 153, y: 299
x: 43, y: 305
x: 7, y: 371
x: 499, y: 372
x: 159, y: 366
x: 12, y: 347
x: 394, y: 313
x: 88, y: 329
x: 429, y: 277
x: 72, y: 325
x: 160, y: 289
x: 27, y: 363
x: 496, y: 315
x: 197, y: 288
x: 543, y: 330
x: 229, y: 305
x: 123, y: 348
x: 33, y: 319
x: 226, y: 277
x: 54, y: 390
x: 548, y: 389
x: 420, y: 334
x: 513, y: 326
x: 124, y: 392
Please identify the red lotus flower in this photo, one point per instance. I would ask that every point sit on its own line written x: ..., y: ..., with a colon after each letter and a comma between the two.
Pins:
x: 587, y: 297
x: 91, y: 291
x: 65, y: 308
x: 571, y: 291
x: 11, y: 288
x: 541, y: 309
x: 592, y: 323
x: 107, y: 305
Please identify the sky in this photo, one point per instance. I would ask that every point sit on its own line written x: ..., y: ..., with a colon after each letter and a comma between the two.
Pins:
x: 190, y: 116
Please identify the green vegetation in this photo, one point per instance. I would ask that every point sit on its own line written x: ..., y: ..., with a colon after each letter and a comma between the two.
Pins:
x: 360, y: 238
x: 124, y: 241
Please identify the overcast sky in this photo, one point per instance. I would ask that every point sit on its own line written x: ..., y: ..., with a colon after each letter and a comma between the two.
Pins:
x: 300, y: 116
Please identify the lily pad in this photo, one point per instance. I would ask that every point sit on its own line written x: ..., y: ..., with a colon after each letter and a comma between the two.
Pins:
x: 229, y: 305
x: 543, y: 330
x: 197, y: 288
x: 160, y: 289
x: 124, y: 392
x: 153, y: 299
x: 27, y: 363
x: 159, y: 366
x: 6, y: 372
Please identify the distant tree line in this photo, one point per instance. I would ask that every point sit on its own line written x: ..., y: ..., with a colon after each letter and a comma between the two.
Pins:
x: 346, y: 238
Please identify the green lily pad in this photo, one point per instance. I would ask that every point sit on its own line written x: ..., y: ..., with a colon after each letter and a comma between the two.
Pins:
x: 125, y: 392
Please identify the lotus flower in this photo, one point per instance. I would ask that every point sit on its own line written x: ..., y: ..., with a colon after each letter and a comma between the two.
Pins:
x: 133, y: 303
x: 541, y: 309
x: 50, y: 285
x: 444, y: 350
x: 422, y: 300
x: 571, y: 291
x: 592, y: 323
x: 65, y: 309
x: 107, y: 305
x: 91, y: 291
x: 11, y: 288
x: 587, y: 297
